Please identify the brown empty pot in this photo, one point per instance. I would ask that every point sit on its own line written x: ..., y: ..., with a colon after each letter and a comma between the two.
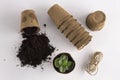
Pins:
x: 95, y: 21
x: 58, y: 14
x: 28, y: 19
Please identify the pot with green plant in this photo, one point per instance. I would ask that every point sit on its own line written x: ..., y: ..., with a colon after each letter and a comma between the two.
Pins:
x: 63, y: 63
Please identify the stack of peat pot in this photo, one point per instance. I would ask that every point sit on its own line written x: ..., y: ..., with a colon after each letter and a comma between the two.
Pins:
x: 69, y: 26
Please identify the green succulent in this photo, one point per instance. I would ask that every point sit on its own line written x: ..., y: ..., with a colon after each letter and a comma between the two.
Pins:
x: 63, y: 64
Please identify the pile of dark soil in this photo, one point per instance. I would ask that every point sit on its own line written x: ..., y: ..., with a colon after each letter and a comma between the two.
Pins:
x: 35, y: 47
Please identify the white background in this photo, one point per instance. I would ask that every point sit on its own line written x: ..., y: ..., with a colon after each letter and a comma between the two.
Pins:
x: 107, y: 40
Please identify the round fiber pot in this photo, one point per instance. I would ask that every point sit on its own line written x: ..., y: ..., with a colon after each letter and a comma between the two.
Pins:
x: 69, y: 59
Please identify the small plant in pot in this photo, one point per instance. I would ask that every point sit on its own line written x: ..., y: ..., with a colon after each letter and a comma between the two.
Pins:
x: 63, y: 63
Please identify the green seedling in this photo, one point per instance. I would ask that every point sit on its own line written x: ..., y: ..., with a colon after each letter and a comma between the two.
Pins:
x: 63, y: 64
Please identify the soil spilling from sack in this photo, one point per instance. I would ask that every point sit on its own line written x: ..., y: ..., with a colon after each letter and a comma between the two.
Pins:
x: 35, y: 47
